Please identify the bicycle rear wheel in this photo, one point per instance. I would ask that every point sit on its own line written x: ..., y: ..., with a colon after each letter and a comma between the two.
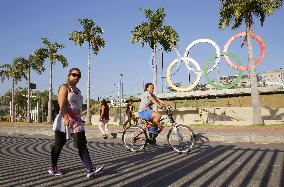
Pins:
x: 181, y: 139
x: 134, y: 138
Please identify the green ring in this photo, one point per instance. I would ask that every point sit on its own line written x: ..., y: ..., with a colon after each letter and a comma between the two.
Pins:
x: 232, y: 83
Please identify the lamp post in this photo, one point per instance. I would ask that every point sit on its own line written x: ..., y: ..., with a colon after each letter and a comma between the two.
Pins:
x: 120, y: 98
x: 163, y: 83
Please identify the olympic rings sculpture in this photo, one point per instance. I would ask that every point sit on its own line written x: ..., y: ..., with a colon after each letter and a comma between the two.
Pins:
x: 211, y: 42
x: 185, y: 59
x: 197, y: 70
x: 223, y: 86
x: 257, y: 38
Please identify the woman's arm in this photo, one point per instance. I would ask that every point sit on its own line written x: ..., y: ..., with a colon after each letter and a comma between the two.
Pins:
x: 102, y: 112
x: 156, y: 101
x: 62, y: 102
x: 161, y: 102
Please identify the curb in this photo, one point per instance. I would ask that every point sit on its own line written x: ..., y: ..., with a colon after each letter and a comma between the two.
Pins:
x: 249, y: 138
x: 227, y: 137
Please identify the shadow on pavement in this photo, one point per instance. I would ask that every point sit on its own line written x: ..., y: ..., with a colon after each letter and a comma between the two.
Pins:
x: 25, y: 161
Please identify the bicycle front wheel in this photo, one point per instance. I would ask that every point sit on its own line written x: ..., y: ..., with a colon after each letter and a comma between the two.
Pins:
x: 181, y: 139
x: 134, y: 138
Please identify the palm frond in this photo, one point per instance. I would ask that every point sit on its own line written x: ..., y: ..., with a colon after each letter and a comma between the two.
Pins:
x: 154, y: 31
x: 237, y: 11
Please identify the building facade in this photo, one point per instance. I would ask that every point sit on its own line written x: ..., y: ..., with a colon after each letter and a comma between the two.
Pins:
x: 273, y: 78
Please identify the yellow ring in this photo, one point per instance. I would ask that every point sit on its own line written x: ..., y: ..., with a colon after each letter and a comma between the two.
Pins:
x: 198, y: 74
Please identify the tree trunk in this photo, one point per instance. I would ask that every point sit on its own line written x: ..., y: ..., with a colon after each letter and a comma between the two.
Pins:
x: 88, y: 117
x: 155, y: 71
x: 28, y: 120
x: 13, y: 101
x: 162, y: 70
x: 155, y: 107
x: 257, y: 119
x: 49, y: 115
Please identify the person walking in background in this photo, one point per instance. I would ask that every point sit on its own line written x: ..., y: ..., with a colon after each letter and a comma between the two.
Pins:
x: 69, y: 119
x: 131, y: 118
x: 104, y: 119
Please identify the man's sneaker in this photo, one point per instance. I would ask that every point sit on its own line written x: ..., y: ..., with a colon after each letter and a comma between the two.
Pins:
x: 54, y: 171
x: 94, y: 170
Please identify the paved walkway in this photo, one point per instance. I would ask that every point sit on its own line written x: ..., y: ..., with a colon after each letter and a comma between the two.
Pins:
x: 226, y: 134
x: 25, y: 160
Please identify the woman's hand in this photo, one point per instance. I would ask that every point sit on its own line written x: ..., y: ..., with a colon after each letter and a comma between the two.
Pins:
x: 66, y: 120
x: 161, y: 106
x: 62, y: 102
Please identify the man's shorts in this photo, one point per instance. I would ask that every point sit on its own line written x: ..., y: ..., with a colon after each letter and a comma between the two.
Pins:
x: 145, y: 114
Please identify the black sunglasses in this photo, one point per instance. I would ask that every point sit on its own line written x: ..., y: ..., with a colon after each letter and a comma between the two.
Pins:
x: 76, y: 75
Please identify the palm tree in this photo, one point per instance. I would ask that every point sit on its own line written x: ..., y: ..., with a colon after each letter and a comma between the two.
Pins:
x: 42, y: 97
x: 244, y: 10
x: 35, y: 62
x: 11, y: 71
x: 91, y: 34
x: 21, y: 102
x: 154, y: 31
x: 51, y: 53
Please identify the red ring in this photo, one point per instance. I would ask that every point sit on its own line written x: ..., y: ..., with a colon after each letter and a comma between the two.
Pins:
x: 257, y: 38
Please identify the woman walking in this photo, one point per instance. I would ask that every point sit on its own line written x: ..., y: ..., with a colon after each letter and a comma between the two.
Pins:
x: 68, y: 121
x: 104, y: 119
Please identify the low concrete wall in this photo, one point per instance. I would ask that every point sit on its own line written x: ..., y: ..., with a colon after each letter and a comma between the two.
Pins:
x: 222, y: 92
x: 214, y: 115
x: 114, y: 119
x: 241, y: 114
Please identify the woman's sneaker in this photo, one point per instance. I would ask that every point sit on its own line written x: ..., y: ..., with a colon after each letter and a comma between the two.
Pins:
x: 95, y: 170
x: 54, y: 171
x: 105, y: 136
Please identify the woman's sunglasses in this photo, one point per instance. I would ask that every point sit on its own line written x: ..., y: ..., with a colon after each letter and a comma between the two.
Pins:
x: 76, y: 75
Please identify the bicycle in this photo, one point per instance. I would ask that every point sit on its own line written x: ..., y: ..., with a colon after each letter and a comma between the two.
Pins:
x: 181, y: 138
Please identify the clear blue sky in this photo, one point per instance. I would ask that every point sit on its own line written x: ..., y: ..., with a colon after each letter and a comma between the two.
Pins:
x: 24, y: 23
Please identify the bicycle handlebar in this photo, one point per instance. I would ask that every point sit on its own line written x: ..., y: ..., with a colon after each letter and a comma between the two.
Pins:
x: 168, y: 108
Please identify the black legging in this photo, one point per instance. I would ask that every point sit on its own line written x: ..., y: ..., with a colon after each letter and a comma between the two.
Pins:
x: 80, y: 142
